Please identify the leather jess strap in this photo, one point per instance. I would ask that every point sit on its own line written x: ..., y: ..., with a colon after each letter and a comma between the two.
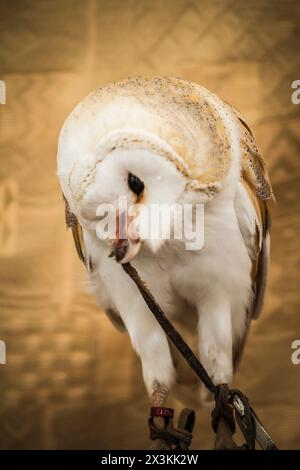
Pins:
x: 161, y: 411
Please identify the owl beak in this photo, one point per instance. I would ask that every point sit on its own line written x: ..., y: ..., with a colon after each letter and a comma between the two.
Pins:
x: 125, y: 250
x: 127, y: 243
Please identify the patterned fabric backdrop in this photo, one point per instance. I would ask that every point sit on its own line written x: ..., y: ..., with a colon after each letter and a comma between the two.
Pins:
x: 72, y: 381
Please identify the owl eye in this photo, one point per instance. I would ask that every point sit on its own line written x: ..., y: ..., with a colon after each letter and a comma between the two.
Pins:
x: 135, y: 184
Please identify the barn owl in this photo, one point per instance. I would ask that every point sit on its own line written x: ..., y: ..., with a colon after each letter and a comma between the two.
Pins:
x: 170, y: 141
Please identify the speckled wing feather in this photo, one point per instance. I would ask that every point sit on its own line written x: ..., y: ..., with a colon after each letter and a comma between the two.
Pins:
x: 256, y: 186
x: 254, y: 170
x: 257, y: 183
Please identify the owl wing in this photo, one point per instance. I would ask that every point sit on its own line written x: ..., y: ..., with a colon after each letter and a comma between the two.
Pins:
x: 74, y: 225
x: 252, y: 208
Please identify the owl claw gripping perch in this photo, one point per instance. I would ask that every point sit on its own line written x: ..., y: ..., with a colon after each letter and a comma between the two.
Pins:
x: 170, y: 142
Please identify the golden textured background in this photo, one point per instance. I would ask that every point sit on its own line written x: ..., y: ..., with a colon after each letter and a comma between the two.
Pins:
x: 72, y: 381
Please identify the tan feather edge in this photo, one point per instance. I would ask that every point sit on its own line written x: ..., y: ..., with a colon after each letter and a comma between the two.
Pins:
x: 256, y: 181
x: 74, y: 225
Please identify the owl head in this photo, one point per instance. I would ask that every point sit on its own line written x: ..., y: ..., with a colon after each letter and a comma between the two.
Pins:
x: 135, y: 146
